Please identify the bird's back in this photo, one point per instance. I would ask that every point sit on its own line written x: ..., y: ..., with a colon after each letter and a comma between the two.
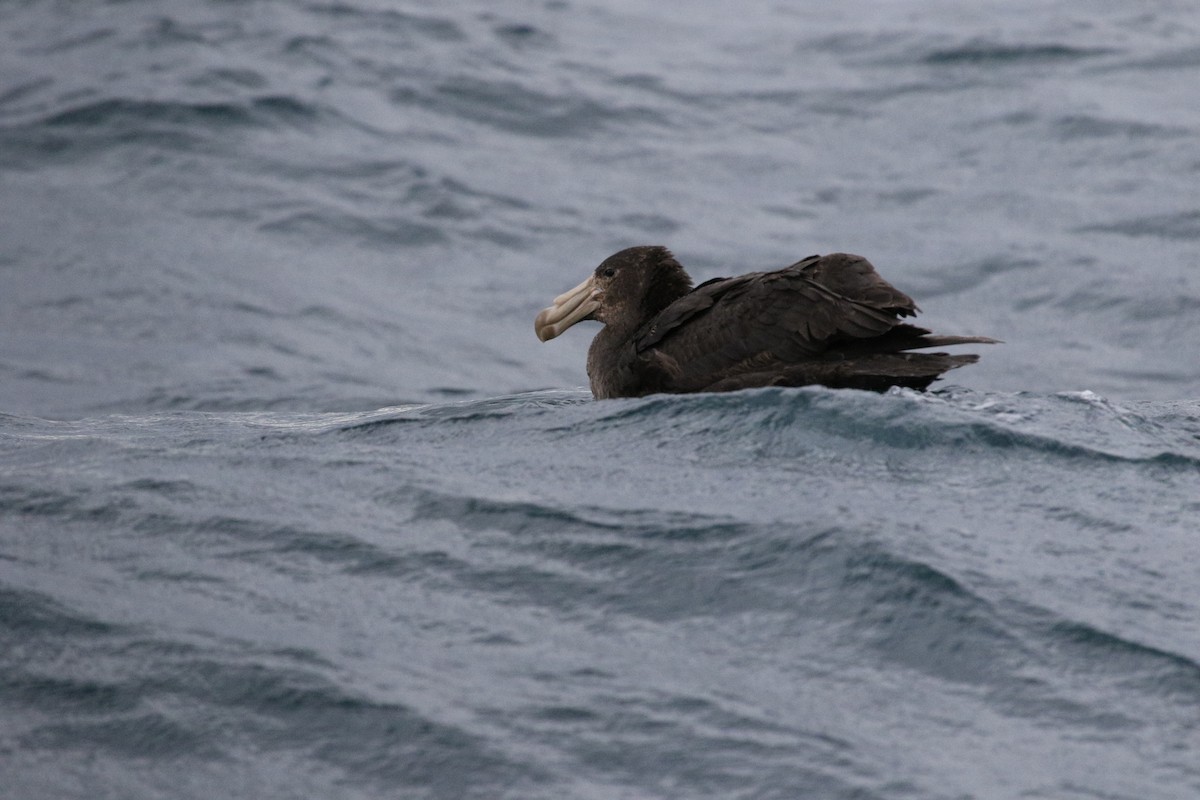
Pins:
x: 826, y: 319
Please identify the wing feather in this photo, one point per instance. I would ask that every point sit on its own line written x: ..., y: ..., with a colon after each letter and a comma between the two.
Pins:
x: 765, y: 319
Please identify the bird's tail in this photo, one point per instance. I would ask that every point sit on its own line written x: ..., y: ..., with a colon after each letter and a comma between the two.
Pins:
x: 910, y: 337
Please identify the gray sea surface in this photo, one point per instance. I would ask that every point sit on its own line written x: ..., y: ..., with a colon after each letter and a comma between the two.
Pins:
x: 293, y: 503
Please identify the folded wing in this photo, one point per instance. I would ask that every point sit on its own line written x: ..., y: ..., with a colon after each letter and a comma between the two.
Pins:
x: 829, y: 319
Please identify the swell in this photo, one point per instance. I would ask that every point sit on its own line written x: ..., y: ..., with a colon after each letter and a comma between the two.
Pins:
x: 984, y: 53
x: 588, y: 560
x: 902, y: 612
x: 436, y: 415
x: 125, y: 113
x: 1152, y: 670
x: 515, y: 108
x: 140, y: 697
x: 1183, y: 226
x: 24, y: 613
x: 115, y: 122
x: 921, y: 616
x: 370, y: 741
x: 669, y: 567
x: 884, y: 598
x: 1025, y: 424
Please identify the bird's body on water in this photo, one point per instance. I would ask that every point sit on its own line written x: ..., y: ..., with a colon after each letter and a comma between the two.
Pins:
x: 829, y: 320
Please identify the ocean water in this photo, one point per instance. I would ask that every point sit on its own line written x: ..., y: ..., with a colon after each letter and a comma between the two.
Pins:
x: 294, y: 504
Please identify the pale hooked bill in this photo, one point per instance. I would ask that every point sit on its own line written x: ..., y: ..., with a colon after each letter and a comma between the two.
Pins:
x: 569, y: 307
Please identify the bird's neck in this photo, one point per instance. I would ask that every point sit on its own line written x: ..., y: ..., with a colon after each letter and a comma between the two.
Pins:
x: 665, y: 287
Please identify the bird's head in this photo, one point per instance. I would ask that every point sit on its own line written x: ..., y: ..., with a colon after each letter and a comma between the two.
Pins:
x: 628, y: 288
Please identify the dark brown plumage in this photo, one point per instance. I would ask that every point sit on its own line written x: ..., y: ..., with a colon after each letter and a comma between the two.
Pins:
x: 827, y: 320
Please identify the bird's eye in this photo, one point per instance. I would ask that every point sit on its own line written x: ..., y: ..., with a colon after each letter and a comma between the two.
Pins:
x: 608, y: 273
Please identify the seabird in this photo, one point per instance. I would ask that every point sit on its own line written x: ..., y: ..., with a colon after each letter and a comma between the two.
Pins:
x: 829, y: 320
